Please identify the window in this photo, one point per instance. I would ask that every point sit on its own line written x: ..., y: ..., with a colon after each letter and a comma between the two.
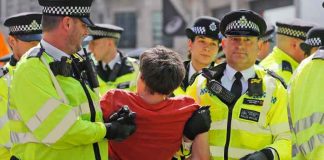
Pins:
x: 127, y: 20
x: 158, y: 37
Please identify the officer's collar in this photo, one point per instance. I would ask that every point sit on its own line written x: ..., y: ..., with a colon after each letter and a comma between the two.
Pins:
x: 112, y: 63
x: 53, y: 51
x: 247, y: 73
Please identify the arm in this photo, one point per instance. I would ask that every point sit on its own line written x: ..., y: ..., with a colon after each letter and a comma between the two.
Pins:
x: 200, y: 147
x: 46, y: 117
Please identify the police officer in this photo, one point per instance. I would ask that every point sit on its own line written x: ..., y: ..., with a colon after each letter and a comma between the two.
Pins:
x: 115, y: 70
x: 307, y: 112
x: 266, y: 39
x: 287, y: 54
x: 247, y: 103
x: 203, y: 44
x: 54, y: 110
x: 20, y: 40
x: 314, y: 39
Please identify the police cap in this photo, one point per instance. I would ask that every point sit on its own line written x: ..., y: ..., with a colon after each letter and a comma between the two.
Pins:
x: 295, y: 28
x: 314, y: 38
x: 25, y: 26
x: 242, y: 23
x: 105, y: 31
x: 72, y: 8
x: 204, y: 26
x: 269, y: 33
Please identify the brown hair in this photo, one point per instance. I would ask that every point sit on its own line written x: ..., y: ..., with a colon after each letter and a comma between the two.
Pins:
x: 162, y: 70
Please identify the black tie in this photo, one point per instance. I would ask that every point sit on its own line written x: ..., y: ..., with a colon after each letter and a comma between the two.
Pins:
x: 237, y: 85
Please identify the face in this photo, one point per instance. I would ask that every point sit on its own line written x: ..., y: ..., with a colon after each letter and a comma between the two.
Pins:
x: 103, y: 49
x: 203, y: 50
x: 19, y: 47
x: 299, y: 54
x: 264, y: 50
x: 76, y: 33
x: 241, y: 51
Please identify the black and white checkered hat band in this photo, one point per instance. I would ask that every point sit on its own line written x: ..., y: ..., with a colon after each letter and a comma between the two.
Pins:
x: 291, y: 32
x: 199, y: 30
x: 237, y: 24
x: 101, y: 33
x: 67, y: 10
x: 34, y: 26
x: 314, y: 41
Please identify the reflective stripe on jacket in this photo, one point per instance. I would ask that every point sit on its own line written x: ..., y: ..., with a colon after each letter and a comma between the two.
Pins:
x: 306, y: 108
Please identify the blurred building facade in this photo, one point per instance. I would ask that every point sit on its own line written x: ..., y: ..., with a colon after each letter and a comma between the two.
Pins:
x: 143, y: 19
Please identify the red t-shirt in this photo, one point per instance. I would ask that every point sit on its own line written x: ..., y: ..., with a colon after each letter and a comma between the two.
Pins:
x: 159, y: 126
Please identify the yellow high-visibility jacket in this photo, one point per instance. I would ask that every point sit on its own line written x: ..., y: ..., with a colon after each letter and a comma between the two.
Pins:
x: 5, y: 142
x: 252, y: 123
x: 306, y: 103
x: 50, y: 115
x: 125, y: 78
x: 281, y: 63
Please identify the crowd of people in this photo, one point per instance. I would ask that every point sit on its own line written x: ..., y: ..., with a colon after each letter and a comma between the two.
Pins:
x: 59, y: 100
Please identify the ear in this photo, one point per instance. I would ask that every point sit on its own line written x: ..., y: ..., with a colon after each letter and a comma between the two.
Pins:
x: 189, y: 42
x: 67, y: 22
x: 260, y: 44
x: 12, y: 41
x: 223, y: 42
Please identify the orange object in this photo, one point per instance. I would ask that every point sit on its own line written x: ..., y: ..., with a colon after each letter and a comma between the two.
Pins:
x: 4, y: 49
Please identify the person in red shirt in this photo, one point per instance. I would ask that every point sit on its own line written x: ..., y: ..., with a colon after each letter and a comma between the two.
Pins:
x: 161, y: 120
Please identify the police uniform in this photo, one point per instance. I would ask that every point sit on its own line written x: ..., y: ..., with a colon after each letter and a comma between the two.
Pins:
x: 314, y: 38
x: 279, y: 61
x: 255, y: 122
x: 26, y: 27
x: 54, y: 112
x: 203, y: 26
x: 267, y: 37
x: 122, y: 71
x: 307, y: 112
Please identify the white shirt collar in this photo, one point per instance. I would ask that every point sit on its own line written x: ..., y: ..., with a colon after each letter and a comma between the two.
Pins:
x: 191, y: 71
x: 112, y: 63
x: 53, y: 51
x: 248, y: 73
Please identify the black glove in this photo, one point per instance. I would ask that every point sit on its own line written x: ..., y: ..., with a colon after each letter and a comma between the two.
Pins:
x: 264, y: 154
x: 198, y: 123
x: 124, y: 111
x: 121, y: 124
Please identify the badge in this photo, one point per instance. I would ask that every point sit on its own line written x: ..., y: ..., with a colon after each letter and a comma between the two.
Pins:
x: 249, y: 115
x: 256, y: 102
x: 255, y: 87
x: 213, y: 26
x: 123, y: 85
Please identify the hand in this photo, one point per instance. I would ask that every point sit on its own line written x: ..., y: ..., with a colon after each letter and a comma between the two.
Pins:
x: 121, y: 124
x: 124, y: 111
x: 198, y: 123
x: 264, y: 154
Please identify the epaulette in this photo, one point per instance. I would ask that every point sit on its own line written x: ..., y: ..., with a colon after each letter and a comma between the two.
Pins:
x: 276, y: 76
x: 3, y: 71
x: 214, y: 72
x: 35, y: 52
x: 209, y: 74
x: 286, y: 66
